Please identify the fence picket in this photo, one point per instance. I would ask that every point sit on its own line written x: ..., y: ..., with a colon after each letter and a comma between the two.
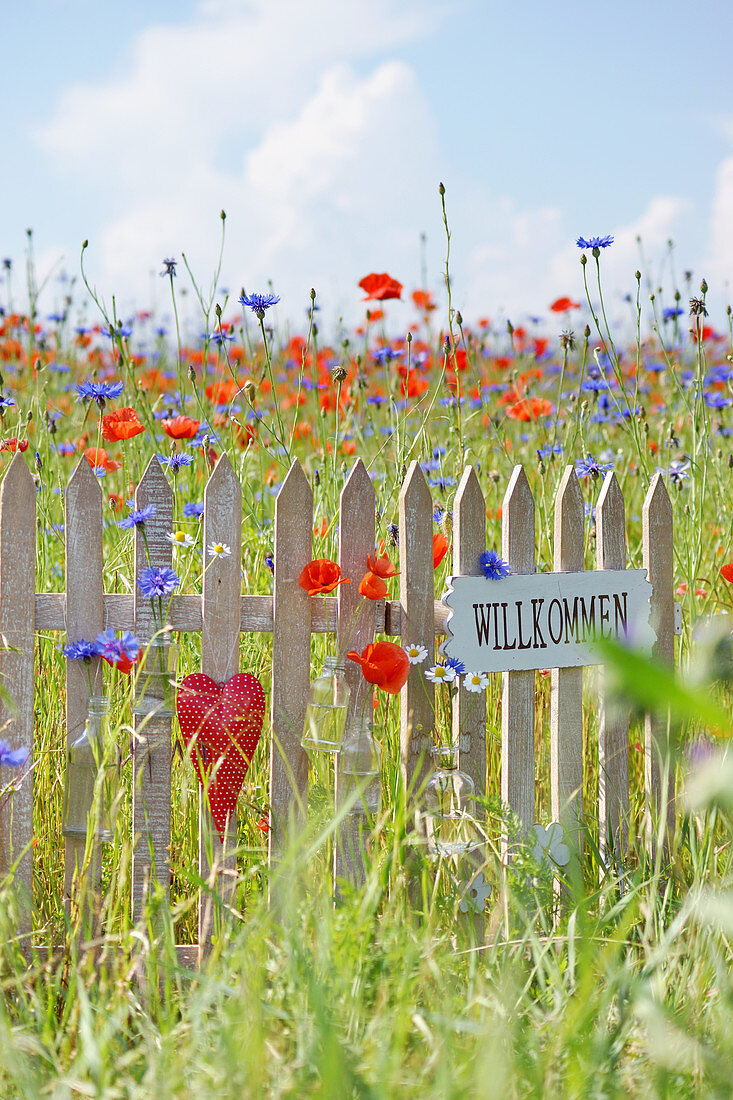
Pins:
x: 417, y: 711
x: 566, y: 693
x: 84, y: 619
x: 658, y: 558
x: 220, y: 611
x: 357, y: 508
x: 613, y: 722
x: 17, y: 627
x: 291, y: 656
x: 151, y: 741
x: 518, y: 688
x: 469, y: 710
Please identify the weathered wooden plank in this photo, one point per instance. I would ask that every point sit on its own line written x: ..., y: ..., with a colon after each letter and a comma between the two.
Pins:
x: 357, y: 510
x: 518, y: 688
x: 417, y: 625
x: 84, y: 619
x: 658, y: 558
x: 469, y: 709
x: 151, y: 750
x: 613, y: 723
x: 256, y: 614
x: 291, y: 639
x: 17, y: 627
x: 566, y: 698
x: 221, y: 611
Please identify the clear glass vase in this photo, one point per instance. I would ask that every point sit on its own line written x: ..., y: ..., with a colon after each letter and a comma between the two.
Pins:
x: 155, y: 678
x: 360, y: 769
x: 92, y: 777
x: 325, y: 715
x: 447, y: 806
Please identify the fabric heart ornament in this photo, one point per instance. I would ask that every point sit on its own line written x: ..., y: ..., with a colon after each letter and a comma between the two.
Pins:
x: 221, y: 725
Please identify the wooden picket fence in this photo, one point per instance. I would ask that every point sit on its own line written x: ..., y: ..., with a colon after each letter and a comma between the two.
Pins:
x: 222, y: 613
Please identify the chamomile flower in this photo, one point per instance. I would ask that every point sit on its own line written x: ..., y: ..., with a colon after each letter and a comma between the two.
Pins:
x: 441, y: 674
x: 416, y: 654
x: 180, y: 539
x: 475, y: 681
x: 218, y: 550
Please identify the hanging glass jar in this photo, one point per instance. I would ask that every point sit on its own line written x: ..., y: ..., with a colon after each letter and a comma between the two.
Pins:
x: 92, y: 777
x: 360, y: 768
x: 325, y: 715
x: 446, y: 810
x: 155, y: 678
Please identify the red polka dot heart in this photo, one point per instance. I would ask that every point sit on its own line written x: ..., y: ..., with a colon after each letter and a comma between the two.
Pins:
x: 221, y: 725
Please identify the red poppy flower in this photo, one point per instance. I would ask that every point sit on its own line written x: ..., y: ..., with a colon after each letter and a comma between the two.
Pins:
x: 181, y: 427
x: 530, y: 409
x: 122, y: 664
x: 382, y: 566
x: 440, y: 549
x: 383, y: 664
x: 98, y: 457
x: 726, y: 572
x: 320, y: 576
x: 14, y: 444
x: 423, y: 299
x: 380, y: 287
x: 121, y: 424
x: 562, y: 305
x: 372, y: 586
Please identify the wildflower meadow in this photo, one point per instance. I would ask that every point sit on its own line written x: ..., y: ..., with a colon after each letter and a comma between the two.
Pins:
x: 557, y: 965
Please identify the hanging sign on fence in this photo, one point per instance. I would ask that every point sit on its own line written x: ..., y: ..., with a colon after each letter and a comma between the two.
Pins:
x: 545, y: 620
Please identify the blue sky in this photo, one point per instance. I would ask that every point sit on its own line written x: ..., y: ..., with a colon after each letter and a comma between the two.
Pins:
x: 324, y: 128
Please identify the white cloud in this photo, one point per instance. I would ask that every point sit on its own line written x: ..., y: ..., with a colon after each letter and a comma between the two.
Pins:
x: 325, y: 156
x: 718, y: 264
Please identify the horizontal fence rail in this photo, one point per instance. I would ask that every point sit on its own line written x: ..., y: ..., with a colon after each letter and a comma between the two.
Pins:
x: 221, y: 614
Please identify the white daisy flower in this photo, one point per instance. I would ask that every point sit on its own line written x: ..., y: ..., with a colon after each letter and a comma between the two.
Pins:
x: 180, y: 539
x: 218, y: 550
x: 441, y: 674
x: 416, y: 654
x: 475, y: 681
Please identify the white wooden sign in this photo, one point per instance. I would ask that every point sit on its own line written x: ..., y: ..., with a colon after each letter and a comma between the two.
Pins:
x: 545, y: 620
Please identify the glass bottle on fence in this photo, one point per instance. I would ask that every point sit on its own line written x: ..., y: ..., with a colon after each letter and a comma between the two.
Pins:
x: 325, y: 715
x: 447, y: 806
x: 360, y: 769
x: 92, y: 777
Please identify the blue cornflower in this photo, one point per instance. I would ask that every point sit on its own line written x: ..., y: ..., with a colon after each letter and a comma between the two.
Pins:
x: 115, y: 649
x: 174, y: 462
x: 270, y: 561
x: 193, y: 510
x: 259, y: 303
x: 591, y: 467
x: 101, y: 392
x: 6, y: 402
x: 717, y: 400
x: 456, y: 664
x: 493, y: 565
x: 548, y: 449
x: 137, y: 517
x: 670, y: 312
x: 218, y: 336
x: 154, y: 582
x: 386, y: 355
x: 12, y: 758
x: 594, y: 242
x: 393, y: 532
x: 80, y: 651
x: 169, y: 268
x: 679, y: 470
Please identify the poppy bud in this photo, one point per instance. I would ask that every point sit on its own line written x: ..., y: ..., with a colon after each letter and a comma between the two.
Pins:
x: 703, y: 287
x: 441, y: 189
x: 637, y: 276
x: 191, y: 373
x: 459, y: 317
x: 217, y: 310
x: 583, y: 259
x: 586, y: 331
